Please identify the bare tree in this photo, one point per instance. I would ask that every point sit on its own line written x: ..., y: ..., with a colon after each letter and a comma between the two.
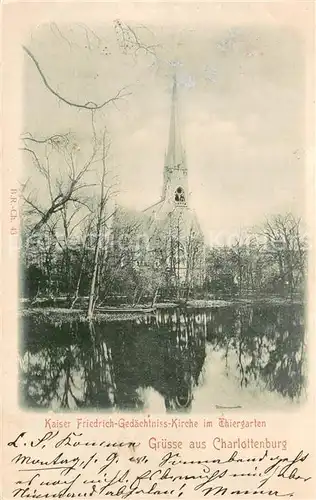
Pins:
x: 85, y: 231
x: 286, y: 245
x: 194, y: 248
x: 70, y: 222
x: 105, y: 194
x: 61, y: 187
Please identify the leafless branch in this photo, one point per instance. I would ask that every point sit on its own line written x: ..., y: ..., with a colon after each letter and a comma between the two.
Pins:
x: 90, y: 105
x: 55, y: 28
x: 57, y: 141
x: 130, y: 41
x: 88, y: 32
x: 34, y: 156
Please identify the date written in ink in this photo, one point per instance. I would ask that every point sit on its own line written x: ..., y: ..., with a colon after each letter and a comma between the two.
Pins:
x: 13, y: 211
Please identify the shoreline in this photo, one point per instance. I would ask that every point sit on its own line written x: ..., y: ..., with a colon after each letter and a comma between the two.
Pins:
x: 125, y: 312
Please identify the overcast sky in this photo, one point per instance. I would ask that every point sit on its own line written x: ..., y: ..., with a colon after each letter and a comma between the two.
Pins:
x: 241, y: 95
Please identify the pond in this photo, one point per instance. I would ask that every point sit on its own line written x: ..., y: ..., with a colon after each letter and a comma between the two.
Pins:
x: 192, y: 361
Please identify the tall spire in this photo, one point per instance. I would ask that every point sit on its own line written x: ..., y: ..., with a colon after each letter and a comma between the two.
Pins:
x: 175, y: 182
x: 175, y: 154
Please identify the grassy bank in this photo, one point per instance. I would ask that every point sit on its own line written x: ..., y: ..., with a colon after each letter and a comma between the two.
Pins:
x: 63, y: 315
x: 41, y: 312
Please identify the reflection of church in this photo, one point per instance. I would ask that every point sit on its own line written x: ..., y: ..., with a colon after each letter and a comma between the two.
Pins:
x: 185, y: 352
x: 165, y: 353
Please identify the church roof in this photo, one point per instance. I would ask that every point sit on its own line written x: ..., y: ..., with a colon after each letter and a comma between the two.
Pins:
x: 154, y: 208
x: 165, y: 210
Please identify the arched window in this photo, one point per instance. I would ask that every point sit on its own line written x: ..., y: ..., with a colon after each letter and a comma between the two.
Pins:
x: 179, y: 196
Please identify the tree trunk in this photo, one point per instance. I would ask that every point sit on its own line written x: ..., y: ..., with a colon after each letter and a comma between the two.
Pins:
x: 76, y: 295
x: 98, y: 242
x: 94, y: 275
x: 155, y: 297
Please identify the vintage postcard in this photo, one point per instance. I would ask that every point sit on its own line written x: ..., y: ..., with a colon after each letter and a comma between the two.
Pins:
x: 158, y: 227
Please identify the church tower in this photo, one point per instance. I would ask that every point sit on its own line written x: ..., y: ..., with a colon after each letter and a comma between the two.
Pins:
x: 175, y: 183
x: 175, y: 236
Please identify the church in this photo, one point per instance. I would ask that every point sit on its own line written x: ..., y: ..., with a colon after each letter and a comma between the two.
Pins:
x: 170, y: 242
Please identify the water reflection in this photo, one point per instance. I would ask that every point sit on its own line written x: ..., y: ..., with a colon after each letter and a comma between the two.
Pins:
x: 186, y: 358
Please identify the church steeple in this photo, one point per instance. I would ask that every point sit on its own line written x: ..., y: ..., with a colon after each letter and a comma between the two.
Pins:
x: 174, y: 154
x: 175, y: 170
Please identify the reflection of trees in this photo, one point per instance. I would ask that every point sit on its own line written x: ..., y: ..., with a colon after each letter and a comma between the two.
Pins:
x: 121, y: 339
x: 106, y: 365
x: 52, y: 363
x: 98, y: 378
x: 48, y: 377
x: 285, y: 369
x: 268, y: 343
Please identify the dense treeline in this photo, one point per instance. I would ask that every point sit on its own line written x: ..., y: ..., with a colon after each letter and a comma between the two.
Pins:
x: 270, y: 260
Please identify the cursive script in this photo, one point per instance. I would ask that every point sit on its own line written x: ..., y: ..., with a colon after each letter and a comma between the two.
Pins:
x: 63, y: 464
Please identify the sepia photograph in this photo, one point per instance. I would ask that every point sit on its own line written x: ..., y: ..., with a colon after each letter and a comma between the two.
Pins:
x: 163, y: 237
